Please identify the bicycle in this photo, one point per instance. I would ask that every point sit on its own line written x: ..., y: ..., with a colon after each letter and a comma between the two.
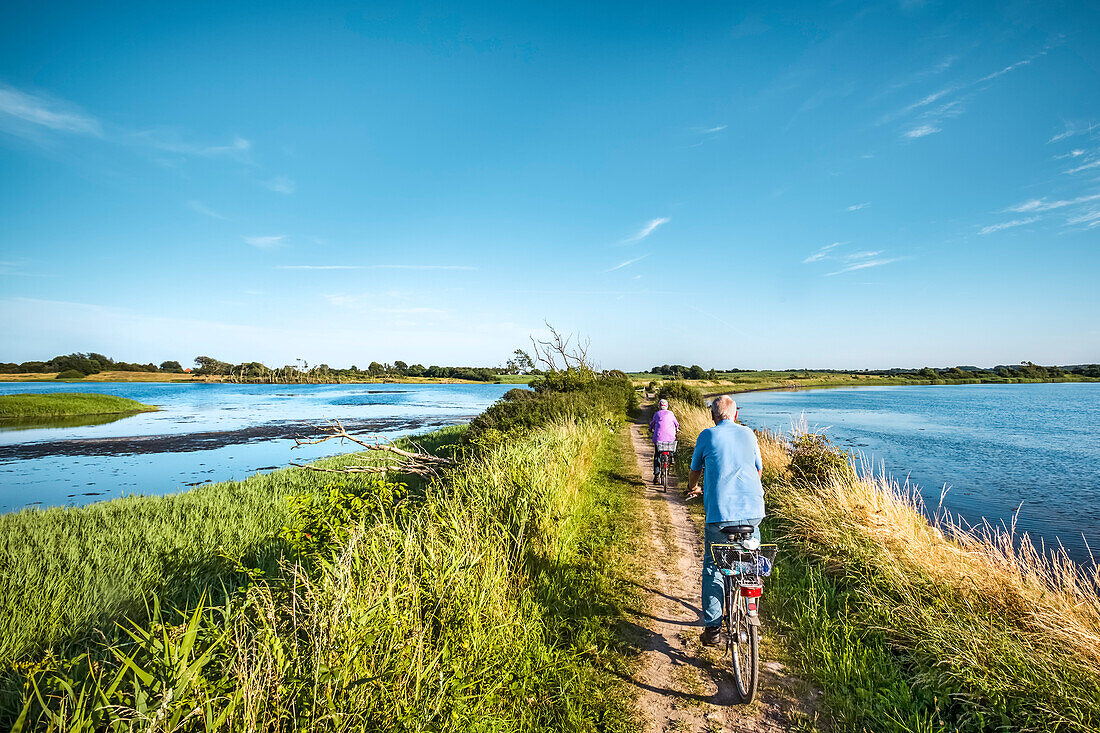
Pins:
x: 666, y: 454
x: 744, y: 563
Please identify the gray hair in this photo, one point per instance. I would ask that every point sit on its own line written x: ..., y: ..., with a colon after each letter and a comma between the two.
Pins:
x: 723, y: 408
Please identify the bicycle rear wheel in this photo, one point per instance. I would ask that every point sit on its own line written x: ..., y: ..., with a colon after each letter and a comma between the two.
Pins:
x: 664, y: 473
x: 744, y: 644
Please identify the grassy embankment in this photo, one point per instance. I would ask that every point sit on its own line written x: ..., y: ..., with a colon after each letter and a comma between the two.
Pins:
x: 732, y: 382
x: 481, y: 601
x: 66, y: 404
x: 905, y: 628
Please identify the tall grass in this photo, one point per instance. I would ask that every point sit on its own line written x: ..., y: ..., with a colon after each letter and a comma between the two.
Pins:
x: 908, y: 625
x: 62, y: 404
x: 67, y: 570
x: 482, y: 607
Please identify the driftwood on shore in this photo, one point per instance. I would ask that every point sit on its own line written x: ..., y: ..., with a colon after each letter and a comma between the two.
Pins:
x: 419, y: 462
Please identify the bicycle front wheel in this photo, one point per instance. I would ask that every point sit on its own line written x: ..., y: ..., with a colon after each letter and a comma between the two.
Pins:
x: 745, y: 646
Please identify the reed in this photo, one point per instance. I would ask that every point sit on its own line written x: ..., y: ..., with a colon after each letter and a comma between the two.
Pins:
x: 910, y: 621
x: 488, y: 603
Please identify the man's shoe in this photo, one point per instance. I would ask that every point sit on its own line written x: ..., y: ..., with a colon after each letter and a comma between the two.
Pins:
x: 710, y: 635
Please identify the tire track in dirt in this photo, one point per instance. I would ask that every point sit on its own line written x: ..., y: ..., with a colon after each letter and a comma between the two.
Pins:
x: 683, y: 686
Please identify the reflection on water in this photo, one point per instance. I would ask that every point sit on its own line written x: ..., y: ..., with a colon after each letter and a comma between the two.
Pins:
x: 68, y: 421
x: 208, y: 432
x: 998, y: 448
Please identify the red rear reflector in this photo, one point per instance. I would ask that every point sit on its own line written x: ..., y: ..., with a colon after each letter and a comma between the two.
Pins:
x: 751, y: 592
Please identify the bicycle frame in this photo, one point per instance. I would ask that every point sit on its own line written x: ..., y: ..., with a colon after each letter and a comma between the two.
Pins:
x: 742, y: 581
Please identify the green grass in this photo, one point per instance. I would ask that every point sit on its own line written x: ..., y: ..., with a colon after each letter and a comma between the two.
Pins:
x: 65, y: 404
x: 515, y: 378
x: 68, y: 570
x: 492, y: 601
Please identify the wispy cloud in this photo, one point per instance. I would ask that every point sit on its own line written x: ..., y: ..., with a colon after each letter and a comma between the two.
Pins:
x: 421, y: 267
x: 1090, y: 219
x: 712, y: 130
x: 199, y: 208
x: 265, y: 242
x: 856, y: 256
x: 280, y: 184
x: 1084, y: 166
x: 1008, y: 225
x: 928, y: 119
x: 44, y: 112
x: 863, y: 266
x: 32, y: 115
x: 857, y: 207
x: 626, y: 263
x: 922, y: 131
x: 169, y: 143
x: 649, y: 228
x: 822, y: 252
x: 1011, y: 67
x: 1044, y: 205
x: 1071, y: 154
x: 1072, y: 129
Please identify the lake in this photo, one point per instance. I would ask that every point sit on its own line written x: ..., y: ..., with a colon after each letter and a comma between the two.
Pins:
x: 207, y: 432
x: 997, y: 448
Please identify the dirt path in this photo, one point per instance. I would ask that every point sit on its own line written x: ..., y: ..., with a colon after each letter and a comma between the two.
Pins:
x: 684, y: 686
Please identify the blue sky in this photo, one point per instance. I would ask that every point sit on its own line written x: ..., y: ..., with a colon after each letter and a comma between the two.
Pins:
x: 814, y: 184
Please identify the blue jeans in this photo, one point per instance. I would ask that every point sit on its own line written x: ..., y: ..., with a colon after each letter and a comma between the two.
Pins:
x: 712, y: 578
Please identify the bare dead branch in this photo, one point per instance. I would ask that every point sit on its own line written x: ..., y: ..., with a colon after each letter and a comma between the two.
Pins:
x: 420, y: 462
x: 558, y: 349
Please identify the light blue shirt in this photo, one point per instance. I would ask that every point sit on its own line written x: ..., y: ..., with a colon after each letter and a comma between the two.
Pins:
x: 729, y: 457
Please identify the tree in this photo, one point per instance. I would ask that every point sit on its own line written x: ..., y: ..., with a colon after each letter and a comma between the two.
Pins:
x: 209, y: 365
x: 695, y: 372
x: 522, y: 361
x: 400, y: 368
x: 376, y: 369
x: 171, y: 366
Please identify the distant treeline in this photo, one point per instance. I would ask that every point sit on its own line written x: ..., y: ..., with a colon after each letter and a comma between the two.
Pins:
x: 81, y: 365
x: 86, y: 364
x: 257, y: 372
x: 1024, y: 370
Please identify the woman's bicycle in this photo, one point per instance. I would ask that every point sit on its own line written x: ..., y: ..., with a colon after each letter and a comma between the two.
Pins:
x: 744, y: 563
x: 666, y: 452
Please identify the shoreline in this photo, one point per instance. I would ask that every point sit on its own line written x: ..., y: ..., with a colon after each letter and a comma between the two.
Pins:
x: 167, y: 379
x: 921, y: 383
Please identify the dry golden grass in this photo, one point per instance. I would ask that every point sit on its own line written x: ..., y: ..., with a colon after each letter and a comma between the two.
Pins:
x: 1006, y: 630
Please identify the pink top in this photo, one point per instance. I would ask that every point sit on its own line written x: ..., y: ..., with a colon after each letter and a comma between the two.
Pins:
x: 664, y: 426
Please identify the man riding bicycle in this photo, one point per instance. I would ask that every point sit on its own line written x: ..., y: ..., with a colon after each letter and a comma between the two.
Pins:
x: 728, y: 458
x: 663, y: 425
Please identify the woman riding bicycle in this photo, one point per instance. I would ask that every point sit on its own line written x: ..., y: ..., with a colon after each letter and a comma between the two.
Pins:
x: 663, y: 425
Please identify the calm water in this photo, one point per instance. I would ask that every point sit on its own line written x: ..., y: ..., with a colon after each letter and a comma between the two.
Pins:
x: 207, y: 432
x: 997, y: 447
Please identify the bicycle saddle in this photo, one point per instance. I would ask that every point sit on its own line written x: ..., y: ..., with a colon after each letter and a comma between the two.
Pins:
x: 740, y: 530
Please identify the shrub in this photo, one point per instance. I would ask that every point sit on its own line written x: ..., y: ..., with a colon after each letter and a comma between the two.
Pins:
x: 814, y: 459
x: 70, y: 374
x: 678, y: 390
x: 521, y: 410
